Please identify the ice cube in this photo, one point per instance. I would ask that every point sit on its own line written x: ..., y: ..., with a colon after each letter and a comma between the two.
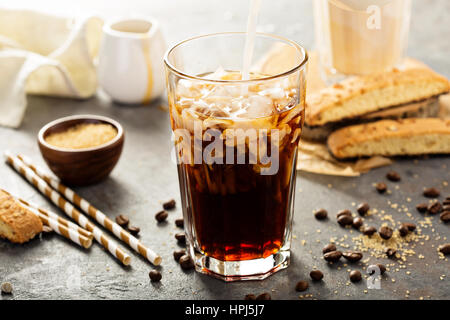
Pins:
x: 258, y: 106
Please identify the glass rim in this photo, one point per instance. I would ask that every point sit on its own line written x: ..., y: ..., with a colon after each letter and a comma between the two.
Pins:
x: 180, y: 73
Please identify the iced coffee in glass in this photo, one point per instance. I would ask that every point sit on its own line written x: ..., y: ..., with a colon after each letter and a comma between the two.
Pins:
x: 360, y: 37
x: 236, y: 139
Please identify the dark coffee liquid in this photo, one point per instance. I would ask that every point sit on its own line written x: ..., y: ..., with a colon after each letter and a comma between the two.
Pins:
x: 236, y: 213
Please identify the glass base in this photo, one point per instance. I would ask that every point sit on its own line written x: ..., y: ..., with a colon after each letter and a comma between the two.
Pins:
x: 256, y: 269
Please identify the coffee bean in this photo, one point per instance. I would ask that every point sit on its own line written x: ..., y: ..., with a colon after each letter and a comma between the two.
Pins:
x: 181, y: 237
x: 177, y: 254
x: 411, y: 226
x: 352, y: 256
x: 6, y: 288
x: 328, y: 248
x: 134, y: 230
x: 431, y: 193
x: 445, y: 248
x: 363, y: 208
x: 434, y: 207
x: 357, y: 222
x: 155, y: 275
x: 422, y: 207
x: 355, y: 276
x: 446, y: 207
x: 169, y: 204
x: 345, y: 220
x: 381, y: 267
x: 385, y: 232
x: 332, y: 256
x: 161, y: 216
x: 403, y: 230
x: 250, y: 297
x: 321, y: 214
x: 391, y: 252
x: 264, y: 296
x: 445, y: 216
x: 381, y: 187
x: 47, y: 230
x: 446, y: 202
x: 342, y: 213
x: 316, y: 275
x: 179, y: 223
x: 301, y: 286
x: 122, y: 220
x: 186, y: 262
x: 369, y: 231
x: 393, y: 176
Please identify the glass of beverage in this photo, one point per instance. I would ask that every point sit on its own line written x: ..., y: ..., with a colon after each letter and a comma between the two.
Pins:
x: 236, y: 140
x: 360, y: 37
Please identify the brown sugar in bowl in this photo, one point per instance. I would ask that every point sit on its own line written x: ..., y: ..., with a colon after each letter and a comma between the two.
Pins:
x: 80, y: 167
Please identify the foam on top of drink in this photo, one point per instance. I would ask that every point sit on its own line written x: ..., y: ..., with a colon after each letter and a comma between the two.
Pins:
x: 236, y: 101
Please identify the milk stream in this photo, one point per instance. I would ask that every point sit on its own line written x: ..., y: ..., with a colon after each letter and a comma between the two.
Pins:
x: 250, y: 38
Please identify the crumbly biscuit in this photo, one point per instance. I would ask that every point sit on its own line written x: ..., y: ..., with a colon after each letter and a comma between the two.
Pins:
x: 17, y: 224
x: 411, y: 136
x: 358, y: 96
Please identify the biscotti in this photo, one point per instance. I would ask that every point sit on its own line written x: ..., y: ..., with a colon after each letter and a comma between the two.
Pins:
x: 358, y: 96
x: 17, y: 224
x: 411, y: 136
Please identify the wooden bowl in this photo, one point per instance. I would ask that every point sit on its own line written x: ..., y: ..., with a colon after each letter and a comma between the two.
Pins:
x: 80, y: 167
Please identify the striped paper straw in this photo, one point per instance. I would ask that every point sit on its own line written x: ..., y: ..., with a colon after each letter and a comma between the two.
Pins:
x: 99, y: 216
x: 58, y: 200
x: 70, y: 234
x: 54, y: 216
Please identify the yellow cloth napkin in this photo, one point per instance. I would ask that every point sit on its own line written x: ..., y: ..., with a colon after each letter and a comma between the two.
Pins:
x: 46, y: 55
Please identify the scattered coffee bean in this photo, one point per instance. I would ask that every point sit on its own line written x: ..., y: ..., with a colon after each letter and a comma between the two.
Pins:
x: 381, y: 187
x: 382, y: 268
x: 434, y: 207
x: 179, y: 223
x: 391, y: 252
x: 169, y: 204
x: 122, y: 220
x: 385, y: 232
x: 393, y: 176
x: 134, y: 230
x: 352, y: 256
x: 403, y: 230
x: 177, y: 254
x: 264, y: 296
x: 47, y: 230
x: 422, y: 207
x: 357, y: 222
x: 411, y: 226
x: 342, y: 213
x: 446, y: 207
x: 446, y: 202
x: 332, y: 256
x: 155, y: 275
x: 186, y: 262
x: 355, y: 276
x: 431, y: 193
x: 445, y: 248
x: 363, y: 208
x: 181, y: 237
x: 329, y: 247
x: 6, y: 288
x: 345, y: 220
x: 321, y: 214
x: 301, y: 286
x: 250, y: 297
x: 161, y: 216
x: 445, y: 216
x: 316, y: 275
x: 369, y: 231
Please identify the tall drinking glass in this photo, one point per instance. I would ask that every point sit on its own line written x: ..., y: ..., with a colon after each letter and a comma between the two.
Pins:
x: 360, y: 37
x: 236, y: 147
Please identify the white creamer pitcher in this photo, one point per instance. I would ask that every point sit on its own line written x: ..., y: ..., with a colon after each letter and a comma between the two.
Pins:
x: 131, y: 54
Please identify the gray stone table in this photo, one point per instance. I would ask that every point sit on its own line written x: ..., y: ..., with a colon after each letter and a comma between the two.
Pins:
x: 53, y: 268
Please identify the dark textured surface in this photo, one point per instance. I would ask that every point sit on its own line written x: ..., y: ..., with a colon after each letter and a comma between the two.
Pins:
x: 52, y: 267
